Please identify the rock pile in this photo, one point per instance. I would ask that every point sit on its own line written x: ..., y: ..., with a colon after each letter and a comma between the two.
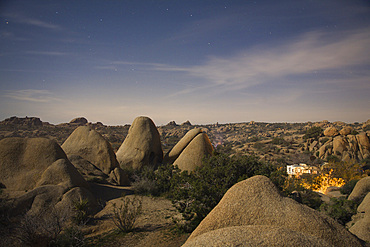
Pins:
x: 346, y: 147
x: 41, y: 168
x: 255, y: 205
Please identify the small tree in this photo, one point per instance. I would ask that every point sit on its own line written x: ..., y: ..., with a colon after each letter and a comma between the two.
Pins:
x: 125, y: 215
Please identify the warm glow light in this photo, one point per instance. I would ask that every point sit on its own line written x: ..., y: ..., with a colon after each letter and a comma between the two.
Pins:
x: 322, y: 182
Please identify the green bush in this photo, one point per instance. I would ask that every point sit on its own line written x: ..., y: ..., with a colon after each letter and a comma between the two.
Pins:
x: 339, y: 209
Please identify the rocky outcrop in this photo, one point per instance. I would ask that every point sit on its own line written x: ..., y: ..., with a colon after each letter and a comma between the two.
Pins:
x: 27, y: 121
x: 91, y: 146
x: 187, y: 123
x: 192, y: 156
x: 257, y: 202
x: 346, y: 147
x: 79, y: 121
x: 142, y: 146
x: 172, y: 124
x: 24, y: 160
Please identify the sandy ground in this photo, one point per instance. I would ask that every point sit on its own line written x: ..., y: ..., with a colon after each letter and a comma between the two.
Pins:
x: 153, y: 228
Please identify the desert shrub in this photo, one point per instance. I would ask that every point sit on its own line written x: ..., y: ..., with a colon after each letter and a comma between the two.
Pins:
x: 339, y: 209
x: 225, y: 148
x: 279, y: 141
x: 40, y: 229
x: 346, y: 170
x: 311, y: 199
x: 70, y: 237
x: 197, y: 193
x: 80, y: 209
x: 348, y: 187
x: 314, y: 132
x: 125, y: 215
x: 333, y: 158
x: 144, y: 186
x: 306, y: 196
x: 259, y: 145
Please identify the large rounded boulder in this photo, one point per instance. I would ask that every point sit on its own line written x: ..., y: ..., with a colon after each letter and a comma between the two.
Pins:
x: 24, y: 160
x: 62, y: 173
x: 254, y: 235
x: 142, y: 146
x: 192, y: 156
x: 91, y: 146
x: 331, y: 131
x: 256, y: 201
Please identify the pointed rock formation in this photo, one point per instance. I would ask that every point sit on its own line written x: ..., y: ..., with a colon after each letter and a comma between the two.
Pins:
x: 256, y: 201
x: 175, y: 152
x: 24, y: 160
x: 91, y: 146
x: 142, y: 146
x: 192, y: 156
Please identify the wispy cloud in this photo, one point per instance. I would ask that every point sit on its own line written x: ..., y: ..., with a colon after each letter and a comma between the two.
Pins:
x: 313, y: 52
x: 48, y: 53
x: 31, y: 95
x: 19, y: 18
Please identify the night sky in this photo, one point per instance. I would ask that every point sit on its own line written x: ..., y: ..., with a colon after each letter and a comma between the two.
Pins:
x: 205, y: 61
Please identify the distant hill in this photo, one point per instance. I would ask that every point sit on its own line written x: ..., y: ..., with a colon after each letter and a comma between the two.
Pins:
x: 280, y: 143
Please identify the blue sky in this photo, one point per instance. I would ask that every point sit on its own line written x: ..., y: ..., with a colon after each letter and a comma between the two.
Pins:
x: 203, y: 61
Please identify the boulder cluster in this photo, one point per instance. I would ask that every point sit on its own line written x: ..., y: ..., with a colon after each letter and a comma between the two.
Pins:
x: 342, y: 143
x: 48, y: 175
x: 253, y: 213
